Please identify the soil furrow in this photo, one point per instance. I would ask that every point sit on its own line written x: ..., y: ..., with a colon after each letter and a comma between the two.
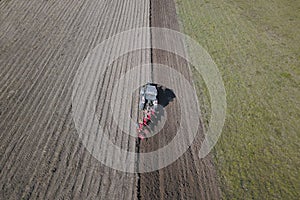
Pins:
x: 76, y: 173
x: 180, y: 180
x: 42, y: 156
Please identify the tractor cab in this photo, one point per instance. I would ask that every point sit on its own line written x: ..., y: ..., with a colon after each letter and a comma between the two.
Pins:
x: 148, y: 96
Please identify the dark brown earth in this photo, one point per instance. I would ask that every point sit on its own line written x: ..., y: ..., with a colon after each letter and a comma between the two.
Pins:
x: 188, y: 177
x: 42, y: 44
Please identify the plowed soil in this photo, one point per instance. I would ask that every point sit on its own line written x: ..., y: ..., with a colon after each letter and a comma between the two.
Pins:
x: 42, y: 44
x: 188, y: 177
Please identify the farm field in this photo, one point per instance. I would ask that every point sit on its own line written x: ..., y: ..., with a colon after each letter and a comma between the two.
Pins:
x: 255, y: 45
x: 42, y: 44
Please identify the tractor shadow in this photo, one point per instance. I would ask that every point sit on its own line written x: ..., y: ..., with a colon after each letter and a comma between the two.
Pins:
x: 164, y: 95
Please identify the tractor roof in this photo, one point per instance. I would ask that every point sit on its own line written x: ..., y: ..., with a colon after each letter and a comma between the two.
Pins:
x: 150, y: 92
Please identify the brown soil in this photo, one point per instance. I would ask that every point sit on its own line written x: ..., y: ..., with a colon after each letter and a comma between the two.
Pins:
x: 188, y: 177
x: 42, y: 44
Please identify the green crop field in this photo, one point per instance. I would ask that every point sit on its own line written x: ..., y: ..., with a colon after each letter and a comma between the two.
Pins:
x: 256, y: 46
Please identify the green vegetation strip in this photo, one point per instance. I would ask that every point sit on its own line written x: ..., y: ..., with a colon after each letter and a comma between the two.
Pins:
x: 256, y: 45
